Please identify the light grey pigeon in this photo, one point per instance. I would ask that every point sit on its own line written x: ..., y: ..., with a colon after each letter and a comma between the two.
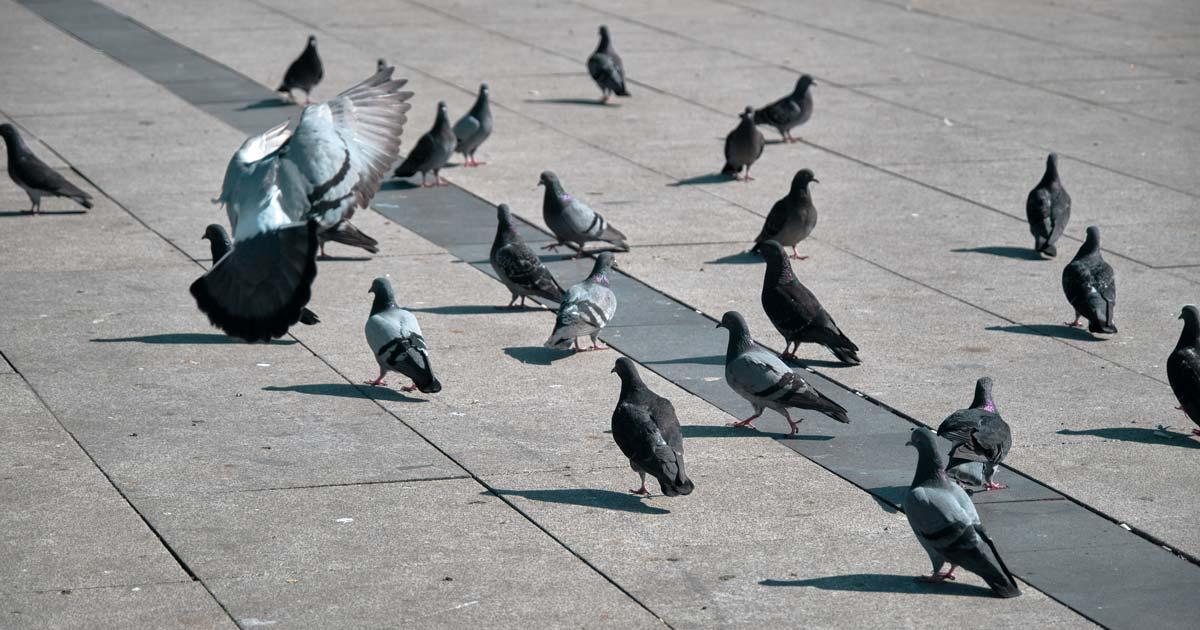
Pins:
x: 743, y: 147
x: 764, y: 380
x: 305, y: 72
x: 34, y: 176
x: 517, y: 266
x: 396, y: 341
x: 474, y: 127
x: 572, y: 221
x: 586, y: 309
x: 1048, y: 208
x: 981, y: 440
x: 947, y: 525
x: 1091, y: 287
x: 220, y: 244
x: 646, y: 430
x: 1183, y: 365
x: 792, y: 218
x: 333, y: 161
x: 606, y: 68
x: 432, y: 151
x: 790, y: 111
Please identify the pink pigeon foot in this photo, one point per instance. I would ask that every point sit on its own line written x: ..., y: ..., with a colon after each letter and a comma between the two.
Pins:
x: 1074, y: 324
x: 992, y: 485
x: 599, y: 346
x: 642, y: 491
x: 936, y: 578
x: 408, y: 388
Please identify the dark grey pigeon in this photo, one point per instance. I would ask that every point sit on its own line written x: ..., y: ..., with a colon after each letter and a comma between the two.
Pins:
x: 1091, y: 287
x: 981, y: 440
x: 1183, y: 366
x: 304, y: 73
x: 792, y: 218
x: 380, y: 64
x: 396, y: 341
x: 474, y: 127
x: 766, y: 381
x: 432, y: 151
x: 646, y: 430
x: 346, y: 233
x: 1048, y: 209
x: 796, y: 312
x: 606, y: 68
x: 743, y: 146
x: 219, y: 244
x: 518, y: 267
x: 586, y: 309
x: 790, y: 111
x: 947, y: 525
x: 34, y: 176
x: 574, y: 223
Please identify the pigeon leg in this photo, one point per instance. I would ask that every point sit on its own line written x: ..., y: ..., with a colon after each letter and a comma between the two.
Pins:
x: 642, y: 490
x: 577, y: 348
x: 792, y: 423
x: 477, y: 162
x: 438, y: 180
x: 1195, y: 431
x: 992, y: 485
x: 378, y: 381
x: 597, y: 344
x: 747, y: 178
x: 796, y: 255
x: 423, y: 183
x: 553, y: 246
x: 788, y: 351
x: 1075, y: 324
x: 938, y: 577
x: 408, y: 388
x: 747, y: 422
x: 604, y: 97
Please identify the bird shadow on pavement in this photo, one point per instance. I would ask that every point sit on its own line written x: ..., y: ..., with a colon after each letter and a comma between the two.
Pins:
x: 884, y: 583
x: 1019, y: 253
x: 587, y: 497
x: 1137, y: 434
x: 571, y: 101
x: 346, y: 390
x: 740, y: 258
x: 726, y: 431
x: 537, y: 355
x: 400, y: 184
x: 186, y: 339
x: 884, y: 494
x: 1058, y: 331
x: 323, y: 259
x: 707, y: 178
x: 26, y: 213
x: 708, y: 360
x: 266, y: 103
x: 814, y: 363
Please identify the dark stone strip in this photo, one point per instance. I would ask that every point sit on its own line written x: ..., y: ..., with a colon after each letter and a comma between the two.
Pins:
x: 1064, y: 548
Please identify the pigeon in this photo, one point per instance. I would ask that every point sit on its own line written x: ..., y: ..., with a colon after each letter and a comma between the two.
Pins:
x: 947, y: 525
x: 34, y: 176
x: 305, y: 72
x: 518, y: 267
x: 743, y: 146
x: 220, y: 244
x: 1090, y: 286
x: 586, y: 308
x: 1048, y: 208
x: 606, y: 68
x: 981, y: 439
x: 474, y: 127
x: 766, y: 381
x: 396, y: 341
x: 332, y: 161
x: 573, y: 222
x: 1183, y: 366
x: 432, y: 151
x: 646, y: 430
x: 380, y: 64
x: 790, y: 111
x: 792, y: 218
x: 346, y: 233
x: 796, y: 312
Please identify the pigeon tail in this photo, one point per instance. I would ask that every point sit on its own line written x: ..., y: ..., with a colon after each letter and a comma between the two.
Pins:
x: 819, y: 402
x: 845, y: 355
x: 408, y: 167
x: 1049, y: 250
x: 347, y: 233
x: 1101, y: 327
x: 431, y: 386
x: 1003, y: 585
x: 309, y: 318
x: 730, y: 169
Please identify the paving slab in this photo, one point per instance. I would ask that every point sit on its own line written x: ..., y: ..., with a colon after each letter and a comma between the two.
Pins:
x: 184, y: 605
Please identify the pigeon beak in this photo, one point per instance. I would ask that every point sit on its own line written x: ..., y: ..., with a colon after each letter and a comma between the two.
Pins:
x: 613, y: 371
x: 816, y: 181
x: 719, y: 325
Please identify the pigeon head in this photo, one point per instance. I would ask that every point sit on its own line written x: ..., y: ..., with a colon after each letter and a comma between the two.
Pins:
x: 739, y: 333
x: 604, y: 263
x: 504, y: 216
x: 627, y: 370
x: 214, y: 232
x: 983, y: 395
x: 483, y: 89
x: 550, y: 181
x: 380, y: 64
x: 803, y: 83
x: 930, y: 461
x: 604, y: 31
x: 778, y: 268
x: 748, y: 114
x: 384, y: 295
x: 8, y: 132
x: 312, y: 41
x: 1191, y: 326
x: 802, y: 178
x: 1091, y: 245
x: 442, y: 111
x: 218, y: 240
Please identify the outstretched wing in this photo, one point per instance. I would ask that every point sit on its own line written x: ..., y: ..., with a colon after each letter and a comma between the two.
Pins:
x: 341, y: 149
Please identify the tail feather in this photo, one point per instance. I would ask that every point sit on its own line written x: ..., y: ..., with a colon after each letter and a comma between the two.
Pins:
x: 845, y: 355
x: 407, y: 168
x: 309, y: 318
x: 83, y: 200
x: 826, y: 406
x: 621, y: 91
x: 346, y: 233
x: 1004, y: 585
x: 730, y: 169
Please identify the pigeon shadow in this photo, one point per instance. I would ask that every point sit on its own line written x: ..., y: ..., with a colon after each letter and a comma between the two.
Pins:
x: 26, y: 213
x: 595, y: 102
x: 399, y: 184
x: 708, y: 178
x: 821, y: 363
x: 587, y: 497
x: 708, y: 360
x: 345, y: 390
x: 343, y: 258
x: 1139, y: 435
x: 725, y: 431
x: 266, y: 103
x: 1019, y: 253
x: 889, y: 496
x: 740, y: 258
x: 186, y: 339
x: 480, y: 309
x: 884, y: 583
x: 537, y: 355
x: 1058, y: 331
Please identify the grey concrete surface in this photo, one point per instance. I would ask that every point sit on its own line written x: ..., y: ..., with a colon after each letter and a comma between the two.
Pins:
x: 925, y: 140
